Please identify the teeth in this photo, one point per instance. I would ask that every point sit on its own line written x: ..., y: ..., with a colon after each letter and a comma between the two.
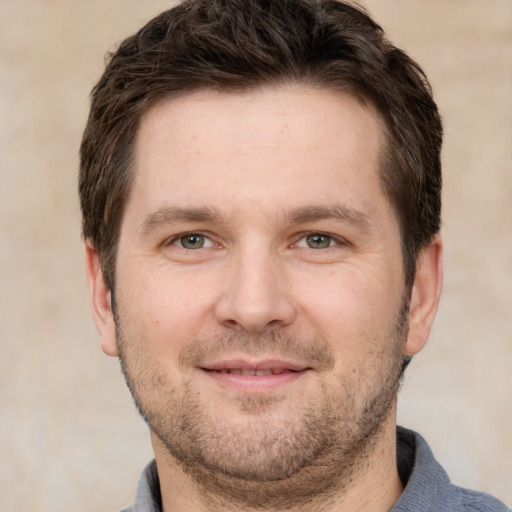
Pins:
x: 245, y: 371
x: 263, y: 372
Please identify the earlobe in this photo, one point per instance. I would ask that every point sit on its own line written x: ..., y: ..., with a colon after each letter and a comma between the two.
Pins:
x: 100, y: 298
x: 425, y: 295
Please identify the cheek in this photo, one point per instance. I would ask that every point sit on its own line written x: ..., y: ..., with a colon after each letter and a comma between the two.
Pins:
x: 163, y: 308
x: 352, y: 306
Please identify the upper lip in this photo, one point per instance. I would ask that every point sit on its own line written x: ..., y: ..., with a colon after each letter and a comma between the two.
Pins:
x: 244, y: 364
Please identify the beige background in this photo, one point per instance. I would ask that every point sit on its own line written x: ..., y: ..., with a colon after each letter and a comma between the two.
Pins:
x: 70, y: 439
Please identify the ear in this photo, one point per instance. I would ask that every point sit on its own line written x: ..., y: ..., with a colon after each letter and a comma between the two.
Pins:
x: 425, y: 295
x: 100, y: 298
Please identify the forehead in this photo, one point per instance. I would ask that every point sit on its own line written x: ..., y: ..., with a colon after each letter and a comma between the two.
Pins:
x: 282, y: 110
x: 273, y: 146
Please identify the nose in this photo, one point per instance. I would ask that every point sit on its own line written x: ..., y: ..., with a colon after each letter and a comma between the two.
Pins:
x: 254, y: 296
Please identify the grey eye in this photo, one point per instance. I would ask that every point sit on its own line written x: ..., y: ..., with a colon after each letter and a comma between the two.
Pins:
x: 318, y: 241
x: 192, y: 241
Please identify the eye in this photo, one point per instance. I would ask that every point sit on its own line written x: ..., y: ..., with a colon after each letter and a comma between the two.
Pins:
x: 317, y: 241
x: 193, y: 241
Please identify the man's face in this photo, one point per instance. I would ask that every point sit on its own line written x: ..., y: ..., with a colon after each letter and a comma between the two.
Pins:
x: 260, y: 309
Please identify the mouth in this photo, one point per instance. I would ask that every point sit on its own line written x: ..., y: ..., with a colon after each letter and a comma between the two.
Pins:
x: 254, y: 375
x: 258, y: 373
x: 253, y: 367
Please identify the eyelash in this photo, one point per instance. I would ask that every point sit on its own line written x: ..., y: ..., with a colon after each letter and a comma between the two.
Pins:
x: 181, y: 236
x: 333, y: 240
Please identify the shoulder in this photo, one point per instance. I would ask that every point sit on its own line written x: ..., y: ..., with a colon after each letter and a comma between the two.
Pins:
x: 473, y: 501
x: 148, y: 497
x: 427, y: 487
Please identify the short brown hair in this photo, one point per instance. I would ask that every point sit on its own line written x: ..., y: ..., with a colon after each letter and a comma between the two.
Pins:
x: 235, y: 45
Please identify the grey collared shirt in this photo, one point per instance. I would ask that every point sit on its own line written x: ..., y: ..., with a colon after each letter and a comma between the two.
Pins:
x: 427, y: 486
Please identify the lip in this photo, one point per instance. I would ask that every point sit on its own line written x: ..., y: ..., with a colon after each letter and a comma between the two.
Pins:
x: 254, y: 375
x: 244, y: 364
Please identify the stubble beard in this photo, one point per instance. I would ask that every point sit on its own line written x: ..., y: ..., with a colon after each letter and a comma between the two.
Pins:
x: 274, y: 462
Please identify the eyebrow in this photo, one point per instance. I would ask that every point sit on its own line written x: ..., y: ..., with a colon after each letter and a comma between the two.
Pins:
x: 172, y: 214
x: 341, y: 212
x: 313, y: 213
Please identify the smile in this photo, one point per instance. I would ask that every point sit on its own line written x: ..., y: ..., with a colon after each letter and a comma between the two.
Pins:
x: 249, y: 376
x: 248, y: 371
x: 242, y: 366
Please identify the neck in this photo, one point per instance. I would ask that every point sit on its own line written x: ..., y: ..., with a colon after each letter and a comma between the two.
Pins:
x: 373, y: 485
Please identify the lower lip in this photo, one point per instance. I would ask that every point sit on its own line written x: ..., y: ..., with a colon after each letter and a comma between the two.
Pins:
x: 255, y: 383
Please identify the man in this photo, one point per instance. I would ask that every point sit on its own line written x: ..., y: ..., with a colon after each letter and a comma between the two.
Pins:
x: 260, y: 188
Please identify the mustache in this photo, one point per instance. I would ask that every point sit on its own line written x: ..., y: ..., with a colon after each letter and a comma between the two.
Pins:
x: 310, y: 351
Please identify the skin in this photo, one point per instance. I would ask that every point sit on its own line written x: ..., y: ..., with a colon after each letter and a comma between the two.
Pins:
x: 257, y: 237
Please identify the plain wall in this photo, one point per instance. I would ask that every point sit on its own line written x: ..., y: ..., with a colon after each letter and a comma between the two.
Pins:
x: 70, y: 439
